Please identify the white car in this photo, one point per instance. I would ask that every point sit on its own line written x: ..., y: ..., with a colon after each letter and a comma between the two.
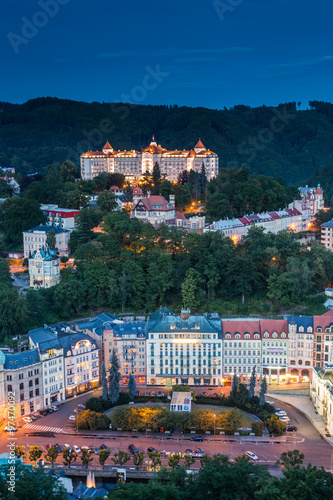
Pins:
x: 251, y: 455
x: 68, y: 447
x: 54, y: 408
x: 72, y: 417
x: 28, y: 419
x: 284, y: 419
x: 77, y: 448
x: 281, y: 413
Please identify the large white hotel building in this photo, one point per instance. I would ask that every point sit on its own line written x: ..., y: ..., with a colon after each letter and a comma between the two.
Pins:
x: 134, y: 164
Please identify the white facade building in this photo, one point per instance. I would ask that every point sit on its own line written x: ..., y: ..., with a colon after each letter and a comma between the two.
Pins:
x: 36, y: 238
x: 322, y: 394
x: 183, y: 349
x: 44, y: 268
x: 64, y: 218
x: 134, y: 164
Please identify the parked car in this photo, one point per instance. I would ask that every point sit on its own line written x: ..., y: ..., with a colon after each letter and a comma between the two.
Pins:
x: 77, y: 448
x: 43, y: 413
x: 153, y: 394
x: 152, y: 450
x: 133, y: 449
x: 103, y: 447
x: 10, y: 428
x: 197, y: 438
x: 85, y: 448
x: 189, y: 452
x: 50, y: 410
x: 27, y: 419
x: 203, y: 394
x: 270, y: 402
x: 59, y: 447
x: 199, y: 451
x: 251, y: 455
x: 81, y: 405
x: 54, y: 408
x: 68, y: 447
x: 284, y: 419
x: 72, y: 417
x: 94, y: 449
x: 281, y: 413
x: 291, y: 428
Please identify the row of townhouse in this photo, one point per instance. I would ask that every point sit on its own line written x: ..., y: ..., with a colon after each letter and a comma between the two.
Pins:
x: 289, y: 219
x: 59, y: 364
x: 167, y: 349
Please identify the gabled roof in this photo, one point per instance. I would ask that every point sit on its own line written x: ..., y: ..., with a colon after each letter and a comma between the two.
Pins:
x: 155, y: 203
x: 240, y: 326
x: 273, y: 325
x: 107, y: 145
x: 199, y: 145
x: 304, y: 321
x: 327, y: 224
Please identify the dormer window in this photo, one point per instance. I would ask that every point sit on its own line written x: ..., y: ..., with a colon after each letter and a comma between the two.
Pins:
x: 274, y: 335
x: 266, y: 335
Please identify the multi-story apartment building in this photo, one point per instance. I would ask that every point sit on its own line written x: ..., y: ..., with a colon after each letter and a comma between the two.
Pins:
x: 274, y: 349
x: 315, y: 198
x: 300, y: 348
x: 129, y: 341
x: 51, y: 356
x: 303, y: 206
x: 273, y: 222
x: 326, y: 230
x: 184, y: 349
x: 44, y: 268
x: 64, y: 218
x: 70, y: 360
x: 95, y: 328
x: 322, y: 394
x: 35, y: 239
x: 134, y: 164
x: 323, y: 339
x: 21, y: 374
x: 241, y: 349
x: 81, y: 360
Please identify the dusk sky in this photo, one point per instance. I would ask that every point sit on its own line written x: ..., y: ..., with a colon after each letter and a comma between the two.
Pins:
x: 255, y: 52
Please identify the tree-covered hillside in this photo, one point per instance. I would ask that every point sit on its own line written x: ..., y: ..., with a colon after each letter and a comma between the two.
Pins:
x: 282, y: 141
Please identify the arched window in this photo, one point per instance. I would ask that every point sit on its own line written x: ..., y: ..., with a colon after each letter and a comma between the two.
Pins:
x: 228, y: 336
x: 274, y: 335
x: 247, y: 336
x: 300, y: 362
x: 256, y: 336
x: 237, y: 336
x: 266, y: 335
x: 283, y: 335
x: 301, y: 329
x: 9, y: 388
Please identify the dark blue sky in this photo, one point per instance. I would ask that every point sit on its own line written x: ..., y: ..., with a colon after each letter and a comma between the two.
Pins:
x: 256, y: 52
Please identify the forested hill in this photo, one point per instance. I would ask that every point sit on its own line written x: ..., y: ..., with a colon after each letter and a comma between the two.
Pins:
x: 46, y: 130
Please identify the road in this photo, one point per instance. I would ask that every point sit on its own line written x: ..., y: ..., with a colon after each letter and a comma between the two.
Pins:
x: 57, y: 428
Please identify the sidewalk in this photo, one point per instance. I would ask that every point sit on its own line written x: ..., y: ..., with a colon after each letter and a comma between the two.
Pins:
x: 303, y: 404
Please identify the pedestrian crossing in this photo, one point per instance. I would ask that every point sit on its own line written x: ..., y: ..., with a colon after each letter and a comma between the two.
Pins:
x: 43, y: 428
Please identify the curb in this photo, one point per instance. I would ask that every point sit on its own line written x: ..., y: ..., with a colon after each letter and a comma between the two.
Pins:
x: 307, y: 416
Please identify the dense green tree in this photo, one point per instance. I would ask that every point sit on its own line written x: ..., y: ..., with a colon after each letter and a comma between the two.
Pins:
x: 114, y: 377
x: 173, y: 460
x: 190, y: 289
x: 86, y: 457
x: 52, y: 454
x: 155, y: 459
x: 35, y: 452
x: 138, y: 459
x: 103, y: 456
x: 17, y: 215
x: 120, y: 457
x: 5, y: 278
x: 104, y: 383
x: 68, y: 171
x: 69, y: 456
x: 263, y: 391
x: 31, y: 484
x: 51, y: 239
x: 107, y: 202
x: 13, y: 312
x: 252, y: 383
x: 131, y: 387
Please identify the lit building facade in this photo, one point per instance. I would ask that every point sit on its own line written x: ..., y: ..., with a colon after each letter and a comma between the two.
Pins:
x: 21, y: 374
x: 314, y: 196
x: 64, y: 218
x: 326, y: 230
x: 241, y: 349
x: 44, y: 268
x: 300, y: 348
x: 134, y: 164
x: 184, y: 349
x: 322, y: 394
x: 36, y: 238
x: 129, y: 341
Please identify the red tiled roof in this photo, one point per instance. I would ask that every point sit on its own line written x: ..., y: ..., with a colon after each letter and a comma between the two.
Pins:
x: 199, y: 145
x: 322, y: 321
x: 274, y: 215
x: 180, y: 216
x: 107, y: 145
x: 244, y: 221
x: 241, y: 327
x: 293, y: 211
x: 155, y: 200
x: 274, y: 325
